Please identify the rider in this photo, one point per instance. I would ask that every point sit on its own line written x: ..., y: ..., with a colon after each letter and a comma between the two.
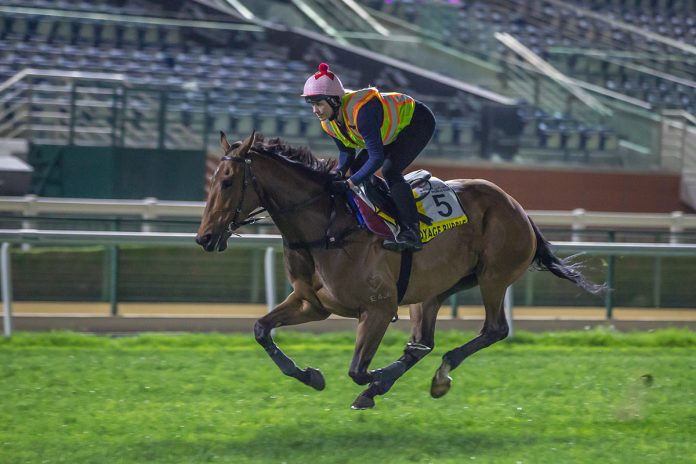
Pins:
x: 391, y: 129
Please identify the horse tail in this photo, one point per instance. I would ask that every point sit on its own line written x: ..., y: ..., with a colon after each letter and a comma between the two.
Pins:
x: 566, y: 268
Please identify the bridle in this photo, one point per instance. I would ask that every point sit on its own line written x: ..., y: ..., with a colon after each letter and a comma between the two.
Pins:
x: 253, y: 216
x: 327, y: 241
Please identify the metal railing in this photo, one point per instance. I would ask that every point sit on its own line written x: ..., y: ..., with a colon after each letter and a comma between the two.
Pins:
x: 573, y: 20
x: 31, y: 207
x: 678, y: 146
x: 567, y: 84
x: 272, y: 244
x: 630, y: 137
x: 98, y: 109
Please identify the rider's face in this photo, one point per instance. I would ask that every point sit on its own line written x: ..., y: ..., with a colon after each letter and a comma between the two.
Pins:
x: 322, y: 110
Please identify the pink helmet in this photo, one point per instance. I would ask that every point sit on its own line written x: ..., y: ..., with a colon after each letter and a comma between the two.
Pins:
x: 323, y: 82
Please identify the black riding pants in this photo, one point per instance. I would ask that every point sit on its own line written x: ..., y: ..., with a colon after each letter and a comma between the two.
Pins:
x: 399, y: 154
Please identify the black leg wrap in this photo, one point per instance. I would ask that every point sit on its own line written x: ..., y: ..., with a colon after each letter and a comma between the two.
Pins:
x: 448, y: 358
x: 385, y: 377
x: 287, y: 366
x: 390, y: 373
x: 488, y: 337
x: 361, y: 378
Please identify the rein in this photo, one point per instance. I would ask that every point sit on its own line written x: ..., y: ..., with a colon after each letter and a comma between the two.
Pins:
x: 329, y: 240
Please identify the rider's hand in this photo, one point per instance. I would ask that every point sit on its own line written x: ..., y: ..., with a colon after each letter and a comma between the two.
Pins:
x: 337, y: 175
x: 339, y: 186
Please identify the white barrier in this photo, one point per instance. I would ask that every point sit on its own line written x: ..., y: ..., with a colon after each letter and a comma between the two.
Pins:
x: 31, y: 206
x: 270, y: 243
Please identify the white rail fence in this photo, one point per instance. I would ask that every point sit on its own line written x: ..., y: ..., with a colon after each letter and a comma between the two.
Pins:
x: 272, y: 244
x: 150, y: 209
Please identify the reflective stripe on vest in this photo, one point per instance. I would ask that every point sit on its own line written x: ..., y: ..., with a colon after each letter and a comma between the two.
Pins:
x: 398, y: 111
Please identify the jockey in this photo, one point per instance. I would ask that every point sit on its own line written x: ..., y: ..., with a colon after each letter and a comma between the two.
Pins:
x: 389, y: 129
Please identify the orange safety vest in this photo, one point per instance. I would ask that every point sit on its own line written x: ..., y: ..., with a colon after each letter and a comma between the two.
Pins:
x: 398, y: 111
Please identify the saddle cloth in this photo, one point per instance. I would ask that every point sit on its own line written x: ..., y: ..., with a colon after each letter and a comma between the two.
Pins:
x: 437, y: 204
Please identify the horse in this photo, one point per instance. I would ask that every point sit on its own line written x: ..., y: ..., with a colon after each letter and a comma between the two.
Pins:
x: 336, y: 267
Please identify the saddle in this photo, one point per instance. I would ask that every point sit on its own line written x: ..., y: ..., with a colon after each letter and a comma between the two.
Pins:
x: 438, y: 206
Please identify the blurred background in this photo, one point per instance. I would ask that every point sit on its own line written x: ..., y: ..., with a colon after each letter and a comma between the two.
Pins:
x: 110, y: 112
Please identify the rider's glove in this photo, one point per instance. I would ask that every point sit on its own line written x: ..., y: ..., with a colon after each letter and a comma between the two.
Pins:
x: 339, y: 186
x: 337, y: 175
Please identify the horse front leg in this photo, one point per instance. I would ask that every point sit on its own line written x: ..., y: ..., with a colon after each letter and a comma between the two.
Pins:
x: 422, y: 342
x: 294, y: 310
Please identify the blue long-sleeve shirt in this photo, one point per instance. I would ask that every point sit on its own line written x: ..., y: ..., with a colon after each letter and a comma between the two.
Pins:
x: 369, y: 124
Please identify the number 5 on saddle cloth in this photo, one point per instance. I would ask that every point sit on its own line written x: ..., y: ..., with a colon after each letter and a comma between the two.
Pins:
x: 437, y: 203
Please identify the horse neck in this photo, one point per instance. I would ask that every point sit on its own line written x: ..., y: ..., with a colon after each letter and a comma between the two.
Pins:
x: 284, y: 187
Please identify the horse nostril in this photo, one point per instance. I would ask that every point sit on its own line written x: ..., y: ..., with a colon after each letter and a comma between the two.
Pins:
x: 203, y: 240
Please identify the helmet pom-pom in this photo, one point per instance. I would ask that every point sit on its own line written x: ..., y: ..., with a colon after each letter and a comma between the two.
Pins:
x: 324, y: 71
x: 323, y: 83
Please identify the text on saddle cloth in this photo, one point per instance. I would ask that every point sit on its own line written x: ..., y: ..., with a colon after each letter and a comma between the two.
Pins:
x: 435, y: 200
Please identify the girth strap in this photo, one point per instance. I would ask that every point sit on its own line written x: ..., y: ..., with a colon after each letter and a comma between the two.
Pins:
x: 404, y: 274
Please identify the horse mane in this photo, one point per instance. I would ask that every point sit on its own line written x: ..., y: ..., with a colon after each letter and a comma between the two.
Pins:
x: 297, y: 156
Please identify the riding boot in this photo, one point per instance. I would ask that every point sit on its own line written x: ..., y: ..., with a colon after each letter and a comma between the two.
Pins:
x: 409, y: 235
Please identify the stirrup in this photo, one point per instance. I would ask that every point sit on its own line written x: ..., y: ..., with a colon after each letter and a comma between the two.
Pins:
x: 400, y: 245
x: 393, y: 245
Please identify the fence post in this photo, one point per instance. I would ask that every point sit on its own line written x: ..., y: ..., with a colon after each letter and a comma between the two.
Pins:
x: 6, y: 289
x: 149, y: 213
x: 269, y: 268
x: 113, y: 281
x: 255, y: 284
x: 529, y: 289
x: 507, y: 307
x: 677, y: 227
x: 611, y: 270
x: 578, y: 224
x: 657, y: 281
x: 609, y: 295
x: 454, y: 303
x: 29, y: 212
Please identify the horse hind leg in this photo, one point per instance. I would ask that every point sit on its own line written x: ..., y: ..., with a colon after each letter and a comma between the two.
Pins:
x: 495, y: 328
x: 422, y: 341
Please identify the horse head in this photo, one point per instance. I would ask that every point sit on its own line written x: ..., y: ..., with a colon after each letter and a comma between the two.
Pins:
x: 231, y: 198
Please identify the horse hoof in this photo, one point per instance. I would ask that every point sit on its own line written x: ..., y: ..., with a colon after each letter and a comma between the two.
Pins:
x: 316, y: 378
x: 439, y: 388
x: 363, y: 402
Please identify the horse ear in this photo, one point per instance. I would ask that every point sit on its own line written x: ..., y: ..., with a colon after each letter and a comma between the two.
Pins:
x: 224, y: 143
x: 248, y: 143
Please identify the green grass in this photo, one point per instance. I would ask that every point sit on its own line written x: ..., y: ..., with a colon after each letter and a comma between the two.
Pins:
x: 538, y: 398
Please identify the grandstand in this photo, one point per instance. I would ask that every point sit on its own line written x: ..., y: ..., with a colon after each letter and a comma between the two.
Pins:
x: 538, y: 83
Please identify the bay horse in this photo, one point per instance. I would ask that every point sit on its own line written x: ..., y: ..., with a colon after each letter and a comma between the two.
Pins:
x: 335, y: 267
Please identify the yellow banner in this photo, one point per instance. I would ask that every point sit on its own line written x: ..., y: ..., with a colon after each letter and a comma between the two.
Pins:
x: 430, y: 232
